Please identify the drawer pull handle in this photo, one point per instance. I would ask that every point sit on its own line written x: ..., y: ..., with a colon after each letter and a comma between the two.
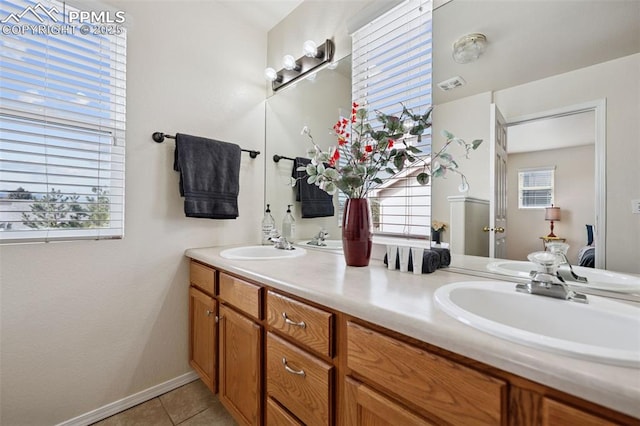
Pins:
x: 300, y: 324
x: 208, y: 312
x: 291, y: 370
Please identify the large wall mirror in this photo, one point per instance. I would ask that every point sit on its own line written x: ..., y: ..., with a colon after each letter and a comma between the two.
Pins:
x: 562, y: 74
x: 315, y: 103
x: 557, y: 66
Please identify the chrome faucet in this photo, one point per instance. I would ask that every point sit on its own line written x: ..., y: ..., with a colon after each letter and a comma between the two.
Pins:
x: 561, y: 250
x: 547, y: 281
x: 279, y: 241
x: 318, y: 240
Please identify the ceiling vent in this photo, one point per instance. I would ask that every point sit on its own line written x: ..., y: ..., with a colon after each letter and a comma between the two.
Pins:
x: 452, y: 83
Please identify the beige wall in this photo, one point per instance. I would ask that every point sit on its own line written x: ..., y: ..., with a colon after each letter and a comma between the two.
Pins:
x: 84, y: 324
x: 468, y: 119
x: 574, y: 182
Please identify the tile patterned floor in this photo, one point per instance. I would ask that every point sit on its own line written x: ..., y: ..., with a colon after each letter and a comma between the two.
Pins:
x: 190, y: 405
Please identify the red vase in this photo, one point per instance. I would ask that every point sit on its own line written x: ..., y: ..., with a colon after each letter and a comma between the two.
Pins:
x: 356, y: 232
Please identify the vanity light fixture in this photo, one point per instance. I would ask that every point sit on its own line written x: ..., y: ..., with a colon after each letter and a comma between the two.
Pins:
x: 552, y: 214
x: 314, y: 56
x: 468, y: 48
x: 289, y: 63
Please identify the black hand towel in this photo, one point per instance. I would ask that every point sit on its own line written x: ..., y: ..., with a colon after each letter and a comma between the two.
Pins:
x: 314, y: 202
x: 430, y: 261
x: 209, y: 176
x: 445, y: 256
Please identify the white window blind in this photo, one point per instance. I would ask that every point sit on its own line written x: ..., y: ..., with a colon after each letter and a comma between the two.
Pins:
x: 391, y: 67
x: 535, y: 187
x: 62, y: 126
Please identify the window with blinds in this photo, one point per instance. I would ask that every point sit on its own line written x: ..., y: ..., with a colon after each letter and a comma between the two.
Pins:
x: 391, y: 68
x: 535, y: 187
x: 62, y: 125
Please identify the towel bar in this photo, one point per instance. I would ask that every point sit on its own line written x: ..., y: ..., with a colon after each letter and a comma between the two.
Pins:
x: 277, y: 158
x: 159, y: 137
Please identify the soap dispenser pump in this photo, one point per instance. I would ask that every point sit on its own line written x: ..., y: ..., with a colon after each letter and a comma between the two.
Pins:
x: 268, y: 225
x: 288, y: 225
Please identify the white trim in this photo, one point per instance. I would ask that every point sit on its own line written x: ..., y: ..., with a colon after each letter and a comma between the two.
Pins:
x: 599, y: 106
x: 130, y: 401
x: 466, y: 199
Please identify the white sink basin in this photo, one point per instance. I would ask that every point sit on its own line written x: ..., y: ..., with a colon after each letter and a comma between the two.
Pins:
x: 602, y: 330
x: 597, y: 278
x: 260, y: 253
x: 335, y: 245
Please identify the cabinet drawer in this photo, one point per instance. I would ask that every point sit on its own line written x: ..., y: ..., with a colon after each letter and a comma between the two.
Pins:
x: 241, y: 294
x: 277, y: 416
x: 202, y: 277
x: 449, y: 390
x: 558, y: 414
x: 299, y: 381
x: 312, y: 327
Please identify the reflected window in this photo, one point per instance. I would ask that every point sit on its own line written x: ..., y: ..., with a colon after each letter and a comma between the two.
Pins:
x: 391, y: 68
x: 535, y: 187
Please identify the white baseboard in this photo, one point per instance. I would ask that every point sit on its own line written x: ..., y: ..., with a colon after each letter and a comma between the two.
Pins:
x: 128, y: 402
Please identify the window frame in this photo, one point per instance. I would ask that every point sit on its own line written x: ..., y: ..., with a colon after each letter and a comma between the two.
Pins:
x: 521, y: 188
x: 65, y: 148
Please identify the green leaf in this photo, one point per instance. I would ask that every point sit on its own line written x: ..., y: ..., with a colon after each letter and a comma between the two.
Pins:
x: 320, y: 168
x: 361, y: 113
x: 446, y: 157
x: 390, y: 170
x: 292, y: 181
x: 330, y: 188
x: 476, y: 143
x: 312, y: 179
x: 417, y: 130
x: 423, y: 178
x: 413, y: 149
x: 311, y: 170
x: 398, y: 162
x: 331, y: 173
x: 447, y: 135
x: 377, y: 180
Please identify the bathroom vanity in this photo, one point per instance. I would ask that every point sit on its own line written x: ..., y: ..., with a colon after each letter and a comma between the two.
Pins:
x: 307, y: 340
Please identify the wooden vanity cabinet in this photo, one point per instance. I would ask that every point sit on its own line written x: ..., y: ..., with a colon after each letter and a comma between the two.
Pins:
x: 282, y: 360
x: 202, y: 326
x: 240, y: 349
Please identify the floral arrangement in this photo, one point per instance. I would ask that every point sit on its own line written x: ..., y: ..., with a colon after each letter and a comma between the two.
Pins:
x: 438, y: 226
x: 362, y: 153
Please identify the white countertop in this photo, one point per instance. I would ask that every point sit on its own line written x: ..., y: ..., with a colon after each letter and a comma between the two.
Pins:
x: 403, y: 302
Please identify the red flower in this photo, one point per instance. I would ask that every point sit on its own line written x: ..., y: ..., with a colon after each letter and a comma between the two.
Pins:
x: 341, y: 140
x: 368, y: 148
x: 390, y: 145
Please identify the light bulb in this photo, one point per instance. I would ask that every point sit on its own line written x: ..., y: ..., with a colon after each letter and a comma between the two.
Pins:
x: 270, y: 74
x: 310, y: 48
x: 289, y: 62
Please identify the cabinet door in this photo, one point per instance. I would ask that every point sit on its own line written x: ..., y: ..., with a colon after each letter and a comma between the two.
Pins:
x: 202, y: 326
x: 366, y: 407
x: 239, y: 361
